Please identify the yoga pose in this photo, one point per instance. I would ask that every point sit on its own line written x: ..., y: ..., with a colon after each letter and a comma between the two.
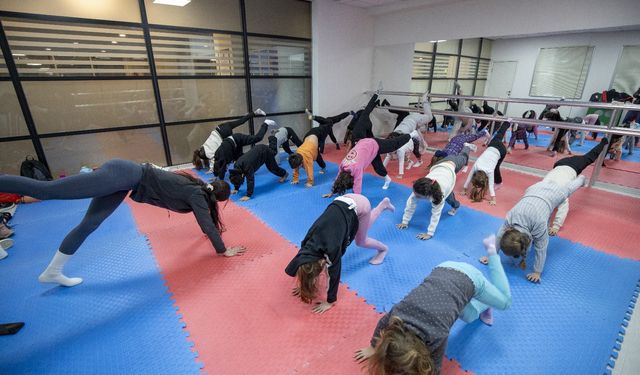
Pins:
x: 486, y: 170
x: 560, y: 139
x: 528, y: 220
x: 203, y: 155
x: 347, y: 218
x: 307, y: 153
x: 283, y: 136
x: 367, y: 150
x: 412, y: 337
x: 328, y: 122
x: 437, y: 186
x: 232, y: 148
x: 411, y: 124
x: 455, y: 146
x: 402, y: 154
x: 249, y: 163
x: 109, y: 186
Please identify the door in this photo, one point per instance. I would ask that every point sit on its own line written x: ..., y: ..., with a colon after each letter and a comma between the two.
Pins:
x: 500, y: 80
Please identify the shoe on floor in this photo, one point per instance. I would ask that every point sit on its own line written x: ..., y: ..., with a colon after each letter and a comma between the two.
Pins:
x: 4, y: 245
x: 5, y: 232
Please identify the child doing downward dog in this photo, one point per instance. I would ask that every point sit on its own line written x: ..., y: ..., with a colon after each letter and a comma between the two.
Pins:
x: 249, y: 163
x: 437, y: 186
x: 203, y: 155
x: 232, y: 148
x: 412, y: 337
x: 455, y: 145
x: 528, y: 220
x: 486, y: 170
x: 109, y: 186
x: 283, y: 136
x: 307, y: 153
x: 347, y: 218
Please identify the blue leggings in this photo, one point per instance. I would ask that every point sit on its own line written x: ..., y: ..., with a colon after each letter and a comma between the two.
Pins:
x: 495, y: 293
x: 108, y: 186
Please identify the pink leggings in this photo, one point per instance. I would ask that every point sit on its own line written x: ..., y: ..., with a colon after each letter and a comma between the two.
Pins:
x: 366, y: 218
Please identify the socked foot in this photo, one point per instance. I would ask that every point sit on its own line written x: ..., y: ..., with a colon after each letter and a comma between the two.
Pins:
x: 47, y: 277
x: 379, y: 258
x: 487, y: 316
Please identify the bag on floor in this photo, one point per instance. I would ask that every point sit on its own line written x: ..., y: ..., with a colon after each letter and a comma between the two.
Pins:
x: 33, y: 168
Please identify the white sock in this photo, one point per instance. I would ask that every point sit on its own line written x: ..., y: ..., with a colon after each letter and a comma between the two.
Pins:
x: 387, y: 181
x: 4, y: 245
x: 414, y: 134
x: 270, y: 122
x: 53, y: 273
x: 259, y: 112
x: 3, y: 254
x: 471, y: 146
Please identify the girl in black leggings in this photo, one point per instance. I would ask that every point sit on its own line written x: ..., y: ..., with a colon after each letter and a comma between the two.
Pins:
x: 109, y: 186
x: 328, y: 123
x: 233, y: 147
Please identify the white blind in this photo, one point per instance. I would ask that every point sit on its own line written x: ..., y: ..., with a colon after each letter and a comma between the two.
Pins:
x: 627, y: 75
x: 561, y: 71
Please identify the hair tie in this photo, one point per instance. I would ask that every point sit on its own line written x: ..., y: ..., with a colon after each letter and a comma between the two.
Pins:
x: 209, y: 187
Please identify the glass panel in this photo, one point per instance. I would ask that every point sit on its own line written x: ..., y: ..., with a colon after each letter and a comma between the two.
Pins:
x: 441, y: 105
x: 419, y: 85
x: 80, y: 105
x: 274, y: 57
x: 66, y: 155
x: 11, y: 119
x: 279, y: 17
x: 627, y: 74
x: 561, y: 72
x: 4, y: 72
x: 480, y: 85
x: 467, y: 67
x: 483, y: 69
x: 422, y: 65
x: 184, y: 139
x: 448, y: 46
x: 65, y: 49
x: 445, y: 66
x: 198, y: 99
x: 13, y: 154
x: 486, y: 48
x: 119, y: 10
x: 466, y: 86
x: 424, y: 47
x: 281, y: 95
x: 208, y: 14
x: 442, y: 86
x: 182, y: 53
x: 471, y: 47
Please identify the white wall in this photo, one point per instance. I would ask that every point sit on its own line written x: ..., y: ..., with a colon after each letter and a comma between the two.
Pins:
x: 607, y: 50
x: 392, y: 65
x: 494, y: 18
x: 342, y: 50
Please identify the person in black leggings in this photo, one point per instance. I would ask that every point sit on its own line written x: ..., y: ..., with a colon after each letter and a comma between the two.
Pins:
x: 328, y: 122
x: 109, y: 186
x: 233, y: 147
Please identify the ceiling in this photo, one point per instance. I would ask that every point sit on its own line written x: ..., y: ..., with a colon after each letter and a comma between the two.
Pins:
x: 376, y: 7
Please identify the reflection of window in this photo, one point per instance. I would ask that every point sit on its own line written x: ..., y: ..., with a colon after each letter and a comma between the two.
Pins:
x: 627, y: 75
x: 561, y: 72
x: 277, y: 57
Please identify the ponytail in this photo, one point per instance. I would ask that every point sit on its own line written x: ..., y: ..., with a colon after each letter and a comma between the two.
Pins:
x: 428, y: 188
x: 216, y: 191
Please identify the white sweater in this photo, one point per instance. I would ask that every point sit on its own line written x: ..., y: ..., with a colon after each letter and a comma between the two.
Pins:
x: 212, y: 144
x: 562, y: 175
x: 486, y: 163
x: 408, y: 147
x: 445, y: 175
x: 412, y: 122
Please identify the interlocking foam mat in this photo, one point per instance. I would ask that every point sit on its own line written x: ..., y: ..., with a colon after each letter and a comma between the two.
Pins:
x: 567, y: 324
x: 119, y: 320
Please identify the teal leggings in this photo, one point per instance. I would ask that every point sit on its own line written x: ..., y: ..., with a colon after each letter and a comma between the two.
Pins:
x: 495, y: 293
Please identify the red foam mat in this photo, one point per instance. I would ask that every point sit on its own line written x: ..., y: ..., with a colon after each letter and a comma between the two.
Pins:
x: 604, y: 221
x: 239, y: 310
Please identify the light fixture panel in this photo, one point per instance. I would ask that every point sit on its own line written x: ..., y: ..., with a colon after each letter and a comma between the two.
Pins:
x: 178, y: 3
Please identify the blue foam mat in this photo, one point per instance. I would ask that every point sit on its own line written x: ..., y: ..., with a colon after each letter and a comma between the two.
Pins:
x: 567, y: 324
x: 121, y: 319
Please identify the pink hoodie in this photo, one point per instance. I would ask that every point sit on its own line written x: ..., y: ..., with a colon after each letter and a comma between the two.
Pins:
x: 360, y: 156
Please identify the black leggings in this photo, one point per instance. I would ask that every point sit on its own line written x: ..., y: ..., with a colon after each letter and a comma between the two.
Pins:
x: 579, y: 163
x: 363, y: 127
x: 108, y: 186
x: 226, y: 129
x: 416, y: 144
x: 496, y: 143
x: 293, y: 137
x: 328, y: 123
x: 558, y: 141
x: 401, y: 116
x: 271, y: 163
x: 242, y: 140
x: 385, y: 146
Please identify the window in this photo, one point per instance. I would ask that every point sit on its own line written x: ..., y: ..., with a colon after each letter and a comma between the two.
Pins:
x: 277, y: 57
x: 626, y: 77
x: 561, y: 72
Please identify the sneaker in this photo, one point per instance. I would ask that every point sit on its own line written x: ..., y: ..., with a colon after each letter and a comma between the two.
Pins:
x: 4, y: 245
x: 259, y: 112
x: 5, y: 232
x: 4, y: 207
x: 309, y: 114
x: 417, y: 164
x: 471, y: 146
x: 409, y: 165
x: 270, y: 123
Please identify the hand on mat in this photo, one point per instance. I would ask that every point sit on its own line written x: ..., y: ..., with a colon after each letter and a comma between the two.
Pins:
x: 295, y: 291
x: 534, y: 277
x: 484, y: 260
x: 245, y: 198
x: 402, y: 226
x: 234, y: 191
x: 492, y: 202
x: 423, y: 236
x: 553, y: 231
x: 321, y: 307
x: 308, y: 185
x: 328, y: 195
x: 234, y: 251
x: 364, y: 354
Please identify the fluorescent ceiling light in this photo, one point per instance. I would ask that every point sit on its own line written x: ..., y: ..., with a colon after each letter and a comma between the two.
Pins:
x: 178, y: 3
x: 47, y: 49
x: 34, y: 64
x: 442, y: 40
x: 433, y: 41
x: 123, y: 35
x: 18, y: 54
x: 114, y: 42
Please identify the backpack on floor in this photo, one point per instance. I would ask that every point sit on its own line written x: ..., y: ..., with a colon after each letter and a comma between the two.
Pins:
x: 33, y: 168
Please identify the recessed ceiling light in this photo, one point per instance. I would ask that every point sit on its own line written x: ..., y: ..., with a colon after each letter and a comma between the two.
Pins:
x: 114, y: 42
x: 442, y: 40
x: 47, y: 49
x: 123, y: 35
x: 18, y: 54
x: 178, y: 3
x: 76, y: 43
x: 103, y: 51
x: 34, y: 64
x: 433, y: 41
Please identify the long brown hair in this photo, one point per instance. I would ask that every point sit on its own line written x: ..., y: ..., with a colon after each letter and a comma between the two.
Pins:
x: 217, y: 191
x: 307, y: 276
x: 516, y: 244
x: 428, y: 188
x: 479, y: 186
x: 199, y: 160
x: 400, y: 351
